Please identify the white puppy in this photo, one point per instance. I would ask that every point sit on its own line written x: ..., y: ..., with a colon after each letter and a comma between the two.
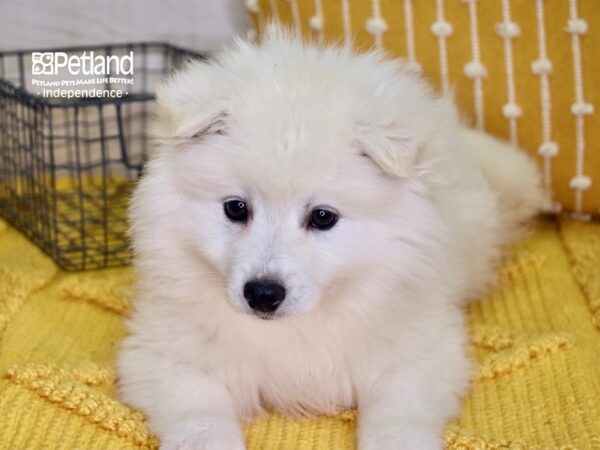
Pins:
x: 307, y: 230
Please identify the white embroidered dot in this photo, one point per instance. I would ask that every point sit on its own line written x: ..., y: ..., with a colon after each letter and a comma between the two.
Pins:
x: 580, y: 217
x: 252, y: 5
x: 441, y: 28
x: 580, y: 182
x: 475, y: 69
x: 512, y: 111
x: 577, y: 26
x: 508, y: 30
x: 548, y: 149
x: 541, y: 66
x: 582, y: 109
x: 376, y: 26
x: 316, y: 23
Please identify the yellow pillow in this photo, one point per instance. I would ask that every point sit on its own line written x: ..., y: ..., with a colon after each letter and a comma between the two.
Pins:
x: 524, y: 70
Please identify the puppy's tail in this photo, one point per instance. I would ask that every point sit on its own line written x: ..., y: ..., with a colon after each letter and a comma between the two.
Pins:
x: 513, y: 176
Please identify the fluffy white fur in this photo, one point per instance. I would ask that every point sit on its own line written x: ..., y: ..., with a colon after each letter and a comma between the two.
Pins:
x: 372, y: 317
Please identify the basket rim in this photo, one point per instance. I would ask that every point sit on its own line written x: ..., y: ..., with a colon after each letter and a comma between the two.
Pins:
x: 30, y: 99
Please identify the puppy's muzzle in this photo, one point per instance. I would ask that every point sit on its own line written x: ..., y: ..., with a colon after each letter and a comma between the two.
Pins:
x: 264, y: 295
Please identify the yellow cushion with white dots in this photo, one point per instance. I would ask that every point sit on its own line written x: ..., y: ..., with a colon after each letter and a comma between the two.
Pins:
x: 525, y: 70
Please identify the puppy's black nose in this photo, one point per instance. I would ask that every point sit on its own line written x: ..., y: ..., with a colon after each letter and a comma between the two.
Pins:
x: 264, y: 295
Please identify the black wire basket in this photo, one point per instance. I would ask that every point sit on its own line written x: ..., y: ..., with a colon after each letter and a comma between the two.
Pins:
x: 67, y: 165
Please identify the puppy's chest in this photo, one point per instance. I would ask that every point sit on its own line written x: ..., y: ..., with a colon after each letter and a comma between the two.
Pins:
x: 298, y: 380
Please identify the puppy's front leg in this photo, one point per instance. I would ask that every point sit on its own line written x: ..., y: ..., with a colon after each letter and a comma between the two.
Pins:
x: 187, y: 408
x: 408, y: 408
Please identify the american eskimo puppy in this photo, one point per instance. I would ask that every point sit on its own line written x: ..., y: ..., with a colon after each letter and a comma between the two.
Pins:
x: 307, y: 230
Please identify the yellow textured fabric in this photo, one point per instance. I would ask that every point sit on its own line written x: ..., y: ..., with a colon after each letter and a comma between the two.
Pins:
x: 535, y: 338
x: 327, y: 21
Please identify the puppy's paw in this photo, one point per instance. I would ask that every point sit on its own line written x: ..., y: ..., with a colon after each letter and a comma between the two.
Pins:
x: 406, y: 438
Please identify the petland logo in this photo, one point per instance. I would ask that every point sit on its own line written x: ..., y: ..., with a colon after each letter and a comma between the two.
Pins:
x: 50, y: 63
x: 80, y: 76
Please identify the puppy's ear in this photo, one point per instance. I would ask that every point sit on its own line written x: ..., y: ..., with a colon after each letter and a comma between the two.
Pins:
x: 390, y: 146
x: 195, y: 127
x: 190, y: 104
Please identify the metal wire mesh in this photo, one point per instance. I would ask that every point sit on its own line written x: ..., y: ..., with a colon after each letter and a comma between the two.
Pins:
x: 67, y: 166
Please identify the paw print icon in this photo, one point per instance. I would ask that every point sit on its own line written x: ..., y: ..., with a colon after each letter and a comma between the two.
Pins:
x: 42, y: 63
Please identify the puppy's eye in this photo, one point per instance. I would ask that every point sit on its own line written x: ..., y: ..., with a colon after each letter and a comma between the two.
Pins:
x: 236, y: 210
x: 322, y: 219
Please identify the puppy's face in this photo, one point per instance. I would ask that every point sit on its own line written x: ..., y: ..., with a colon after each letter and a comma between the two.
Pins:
x: 285, y: 231
x: 298, y: 172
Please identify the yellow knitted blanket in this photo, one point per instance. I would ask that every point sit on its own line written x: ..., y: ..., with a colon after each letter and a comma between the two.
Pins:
x: 536, y: 339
